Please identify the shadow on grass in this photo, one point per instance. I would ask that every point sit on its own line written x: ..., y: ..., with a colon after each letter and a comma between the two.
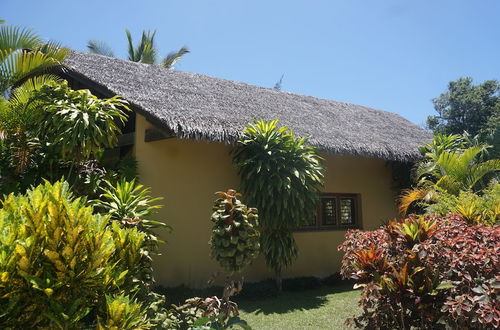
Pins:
x: 291, y: 301
x: 302, y: 293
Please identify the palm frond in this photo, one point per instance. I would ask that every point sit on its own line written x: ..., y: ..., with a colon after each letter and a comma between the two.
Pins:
x: 100, y: 47
x: 146, y: 50
x: 173, y: 57
x: 18, y: 65
x: 456, y: 163
x: 131, y: 48
x: 24, y: 92
x: 449, y: 184
x: 478, y: 171
x: 409, y: 196
x: 13, y: 38
x: 148, y: 53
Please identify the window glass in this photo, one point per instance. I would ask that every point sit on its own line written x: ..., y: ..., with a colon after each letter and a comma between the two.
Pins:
x: 335, y: 212
x: 347, y: 211
x: 329, y: 211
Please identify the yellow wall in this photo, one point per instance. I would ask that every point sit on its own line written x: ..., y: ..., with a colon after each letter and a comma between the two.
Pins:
x: 187, y: 173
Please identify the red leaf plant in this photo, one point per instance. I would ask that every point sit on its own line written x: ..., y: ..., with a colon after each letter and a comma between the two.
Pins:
x: 425, y: 272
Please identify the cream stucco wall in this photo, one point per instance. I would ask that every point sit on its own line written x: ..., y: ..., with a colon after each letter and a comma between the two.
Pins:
x: 187, y: 173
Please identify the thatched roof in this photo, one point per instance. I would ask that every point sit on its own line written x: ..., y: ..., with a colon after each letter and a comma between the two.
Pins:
x: 195, y: 106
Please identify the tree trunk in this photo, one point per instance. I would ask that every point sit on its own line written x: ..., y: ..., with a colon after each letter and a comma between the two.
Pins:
x: 279, y: 281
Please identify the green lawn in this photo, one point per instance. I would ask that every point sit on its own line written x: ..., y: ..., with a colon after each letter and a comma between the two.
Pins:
x: 323, y: 308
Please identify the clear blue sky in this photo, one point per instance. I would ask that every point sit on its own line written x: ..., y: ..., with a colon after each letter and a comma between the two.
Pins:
x: 392, y: 55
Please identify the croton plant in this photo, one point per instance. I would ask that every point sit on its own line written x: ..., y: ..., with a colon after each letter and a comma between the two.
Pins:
x: 426, y: 272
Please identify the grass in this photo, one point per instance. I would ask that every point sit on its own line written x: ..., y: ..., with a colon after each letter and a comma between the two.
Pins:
x: 326, y: 307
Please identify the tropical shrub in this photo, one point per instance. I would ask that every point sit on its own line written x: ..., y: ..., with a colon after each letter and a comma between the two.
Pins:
x: 58, y: 261
x: 209, y: 313
x: 123, y: 313
x: 451, y: 166
x: 426, y: 272
x: 52, y: 132
x: 475, y: 208
x: 76, y: 123
x: 235, y: 238
x: 130, y: 205
x: 280, y: 176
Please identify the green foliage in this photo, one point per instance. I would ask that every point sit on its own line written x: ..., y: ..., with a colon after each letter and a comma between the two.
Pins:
x: 77, y: 123
x: 123, y: 313
x: 58, y: 260
x: 280, y: 176
x: 279, y: 248
x: 130, y: 205
x: 467, y: 107
x: 475, y: 208
x: 51, y: 131
x: 23, y: 54
x: 144, y: 51
x: 235, y: 238
x: 450, y: 166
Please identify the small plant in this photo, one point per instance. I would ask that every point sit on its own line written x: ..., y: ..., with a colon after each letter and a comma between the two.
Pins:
x: 413, y: 230
x: 123, y: 313
x: 235, y: 238
x: 210, y: 313
x: 130, y: 204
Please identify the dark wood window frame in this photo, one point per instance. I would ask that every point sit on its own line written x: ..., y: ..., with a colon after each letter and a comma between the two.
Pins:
x: 321, y: 221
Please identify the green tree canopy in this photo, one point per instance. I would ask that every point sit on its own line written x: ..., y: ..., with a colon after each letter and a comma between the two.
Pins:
x: 470, y: 108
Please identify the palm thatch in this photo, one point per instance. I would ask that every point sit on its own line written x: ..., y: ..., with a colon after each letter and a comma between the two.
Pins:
x: 195, y: 106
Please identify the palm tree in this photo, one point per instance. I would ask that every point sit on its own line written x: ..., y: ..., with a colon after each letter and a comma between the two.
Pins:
x: 25, y: 60
x: 23, y: 54
x: 448, y: 170
x: 145, y: 51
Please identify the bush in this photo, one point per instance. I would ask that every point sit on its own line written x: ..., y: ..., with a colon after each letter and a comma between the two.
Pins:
x: 432, y: 272
x: 59, y: 261
x: 235, y: 238
x: 476, y: 208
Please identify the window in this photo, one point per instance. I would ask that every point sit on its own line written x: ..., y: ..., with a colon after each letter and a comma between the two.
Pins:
x: 336, y: 211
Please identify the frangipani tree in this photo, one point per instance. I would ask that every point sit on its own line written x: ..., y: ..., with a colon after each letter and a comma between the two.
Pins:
x: 280, y: 176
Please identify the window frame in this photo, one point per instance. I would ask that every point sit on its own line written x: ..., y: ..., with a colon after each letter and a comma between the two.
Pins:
x: 356, y: 209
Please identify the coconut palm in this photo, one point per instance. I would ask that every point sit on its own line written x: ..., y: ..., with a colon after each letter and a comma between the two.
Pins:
x: 23, y: 54
x: 145, y: 51
x: 449, y: 172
